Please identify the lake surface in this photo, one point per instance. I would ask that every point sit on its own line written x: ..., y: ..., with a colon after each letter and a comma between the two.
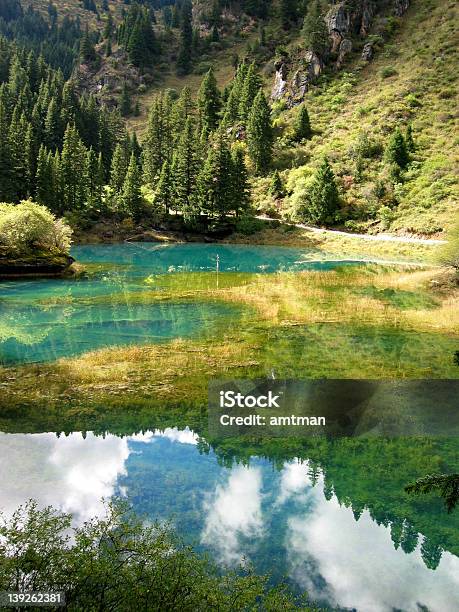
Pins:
x: 331, y: 517
x: 43, y: 320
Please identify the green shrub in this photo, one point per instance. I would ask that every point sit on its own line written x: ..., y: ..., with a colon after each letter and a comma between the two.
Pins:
x: 387, y: 72
x: 28, y: 226
x: 248, y: 225
x: 449, y: 255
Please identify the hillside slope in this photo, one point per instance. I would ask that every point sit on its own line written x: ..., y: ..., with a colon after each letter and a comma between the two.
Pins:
x: 413, y: 80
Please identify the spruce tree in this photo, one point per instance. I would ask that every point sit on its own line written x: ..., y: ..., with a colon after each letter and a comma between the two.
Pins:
x: 157, y: 146
x: 288, y: 12
x: 44, y: 179
x: 208, y: 103
x: 87, y: 51
x: 323, y: 199
x: 164, y: 193
x: 52, y: 131
x: 302, y: 126
x: 119, y: 167
x: 131, y: 196
x: 72, y: 171
x: 260, y: 138
x: 186, y: 39
x: 248, y: 92
x: 240, y: 190
x: 185, y: 167
x: 214, y: 194
x: 396, y: 153
x: 315, y: 31
x: 276, y: 187
x: 94, y: 180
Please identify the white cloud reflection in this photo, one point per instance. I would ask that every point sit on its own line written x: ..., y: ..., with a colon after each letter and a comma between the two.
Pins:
x: 233, y: 513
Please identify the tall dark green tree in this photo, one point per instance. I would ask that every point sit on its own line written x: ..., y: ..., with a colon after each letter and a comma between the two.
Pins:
x: 157, y: 146
x: 186, y: 39
x: 315, y: 31
x: 240, y: 188
x: 131, y: 196
x: 260, y: 137
x: 214, y: 188
x: 288, y: 12
x: 73, y: 171
x: 323, y: 197
x: 396, y: 153
x: 250, y: 87
x: 164, y: 190
x: 208, y: 103
x: 87, y: 51
x: 125, y: 102
x: 302, y: 125
x: 185, y: 167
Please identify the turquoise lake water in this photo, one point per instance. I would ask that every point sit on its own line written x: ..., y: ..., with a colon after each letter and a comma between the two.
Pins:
x: 43, y: 320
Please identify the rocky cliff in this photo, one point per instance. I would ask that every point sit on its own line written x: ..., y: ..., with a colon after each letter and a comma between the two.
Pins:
x: 350, y: 24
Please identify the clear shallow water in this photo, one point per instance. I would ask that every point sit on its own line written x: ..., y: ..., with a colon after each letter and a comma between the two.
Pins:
x: 286, y: 520
x: 43, y: 320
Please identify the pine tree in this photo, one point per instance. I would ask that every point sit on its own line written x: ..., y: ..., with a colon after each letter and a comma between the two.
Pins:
x: 396, y: 153
x: 239, y: 182
x: 302, y: 126
x: 208, y: 103
x: 323, y: 200
x: 315, y: 31
x: 52, y: 131
x: 288, y: 12
x: 276, y: 187
x: 260, y: 138
x: 131, y: 196
x: 186, y: 39
x: 248, y: 92
x: 72, y: 171
x: 44, y: 193
x: 182, y: 109
x: 158, y: 142
x: 125, y: 103
x: 94, y: 180
x: 164, y: 193
x: 87, y: 51
x: 214, y: 196
x: 119, y: 167
x: 185, y: 167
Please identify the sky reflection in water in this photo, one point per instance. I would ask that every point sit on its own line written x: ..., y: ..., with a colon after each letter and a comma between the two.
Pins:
x: 232, y: 512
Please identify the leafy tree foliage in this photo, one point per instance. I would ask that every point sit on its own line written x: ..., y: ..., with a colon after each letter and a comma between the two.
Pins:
x: 123, y: 564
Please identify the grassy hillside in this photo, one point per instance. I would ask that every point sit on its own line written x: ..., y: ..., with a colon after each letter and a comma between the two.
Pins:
x: 413, y: 79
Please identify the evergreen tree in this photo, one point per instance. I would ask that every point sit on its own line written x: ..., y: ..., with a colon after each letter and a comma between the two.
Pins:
x: 164, y: 192
x: 248, y: 92
x: 302, y: 126
x: 158, y: 143
x: 214, y: 194
x: 288, y: 12
x: 260, y: 138
x: 73, y: 171
x: 52, y: 131
x: 119, y: 168
x: 87, y: 51
x: 94, y: 180
x: 186, y: 39
x: 182, y: 109
x: 315, y: 31
x: 208, y: 103
x: 44, y: 179
x: 276, y: 187
x: 396, y: 153
x: 240, y: 189
x: 323, y: 200
x: 185, y: 167
x: 131, y: 196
